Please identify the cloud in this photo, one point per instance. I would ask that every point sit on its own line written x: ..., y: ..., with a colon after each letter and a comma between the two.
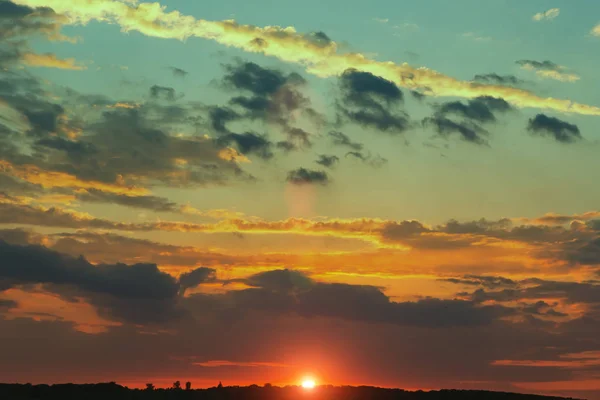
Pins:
x: 548, y: 69
x: 476, y: 37
x: 584, y: 252
x: 249, y: 143
x: 178, y: 72
x: 139, y: 293
x: 197, y: 276
x: 595, y: 30
x: 493, y: 78
x: 19, y: 25
x: 561, y: 131
x: 480, y: 109
x: 49, y: 60
x: 303, y: 176
x: 372, y: 101
x: 283, y: 280
x: 547, y: 15
x: 162, y: 92
x: 155, y: 203
x: 475, y: 112
x: 284, y: 292
x: 275, y: 98
x: 340, y: 139
x: 68, y: 140
x: 328, y: 161
x: 468, y: 131
x: 52, y: 179
x: 251, y: 364
x: 374, y: 161
x: 491, y: 282
x: 321, y: 58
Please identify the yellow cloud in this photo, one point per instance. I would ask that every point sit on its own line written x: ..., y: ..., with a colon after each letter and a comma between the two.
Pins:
x: 231, y: 154
x: 321, y: 58
x: 53, y: 179
x: 50, y: 60
x: 547, y: 15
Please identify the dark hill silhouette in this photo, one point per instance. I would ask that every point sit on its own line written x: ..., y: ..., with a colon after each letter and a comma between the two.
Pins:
x: 113, y: 391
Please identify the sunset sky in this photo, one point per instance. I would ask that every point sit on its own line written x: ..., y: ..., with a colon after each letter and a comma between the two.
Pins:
x: 391, y: 193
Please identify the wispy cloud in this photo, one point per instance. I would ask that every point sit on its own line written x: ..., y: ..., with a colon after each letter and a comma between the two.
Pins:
x: 320, y: 57
x: 381, y: 20
x: 549, y: 70
x: 547, y: 15
x: 223, y: 363
x: 50, y: 60
x: 476, y: 37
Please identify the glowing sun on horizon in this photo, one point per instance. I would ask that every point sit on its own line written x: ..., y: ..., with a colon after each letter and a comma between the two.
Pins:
x: 308, y: 383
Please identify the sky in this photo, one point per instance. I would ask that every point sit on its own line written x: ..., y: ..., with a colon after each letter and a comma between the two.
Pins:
x: 391, y: 193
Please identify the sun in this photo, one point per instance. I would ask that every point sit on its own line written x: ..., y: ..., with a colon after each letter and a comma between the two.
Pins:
x: 308, y: 383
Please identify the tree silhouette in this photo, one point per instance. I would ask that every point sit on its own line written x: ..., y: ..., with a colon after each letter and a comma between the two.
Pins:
x: 149, y: 386
x: 188, y: 385
x: 177, y: 385
x: 220, y: 385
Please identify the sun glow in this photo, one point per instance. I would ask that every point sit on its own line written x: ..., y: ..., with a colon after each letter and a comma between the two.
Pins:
x: 308, y: 383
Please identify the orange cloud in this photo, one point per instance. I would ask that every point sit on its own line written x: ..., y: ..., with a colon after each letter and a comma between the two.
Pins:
x: 319, y: 57
x: 561, y: 219
x: 53, y: 179
x: 50, y: 60
x: 220, y: 363
x: 40, y: 305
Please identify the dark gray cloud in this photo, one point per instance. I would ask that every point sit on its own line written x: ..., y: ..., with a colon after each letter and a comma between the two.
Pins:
x: 191, y: 279
x: 543, y: 65
x: 371, y: 101
x: 561, y: 131
x: 256, y: 79
x: 468, y: 131
x: 541, y: 308
x: 303, y: 176
x: 249, y: 143
x: 91, y: 142
x: 220, y: 116
x: 270, y: 96
x: 475, y: 227
x: 402, y: 230
x: 491, y: 282
x: 417, y: 95
x: 340, y: 139
x: 328, y: 161
x: 6, y: 304
x: 281, y: 280
x: 362, y: 88
x: 28, y: 215
x: 493, y: 78
x: 162, y: 93
x: 480, y: 109
x: 477, y: 111
x: 129, y: 143
x: 584, y: 252
x: 76, y: 151
x: 374, y: 161
x: 320, y: 38
x: 286, y: 292
x: 178, y: 72
x: 154, y: 203
x: 587, y: 293
x: 118, y: 290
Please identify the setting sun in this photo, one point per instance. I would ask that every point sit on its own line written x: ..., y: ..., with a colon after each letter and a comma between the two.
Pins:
x: 308, y: 383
